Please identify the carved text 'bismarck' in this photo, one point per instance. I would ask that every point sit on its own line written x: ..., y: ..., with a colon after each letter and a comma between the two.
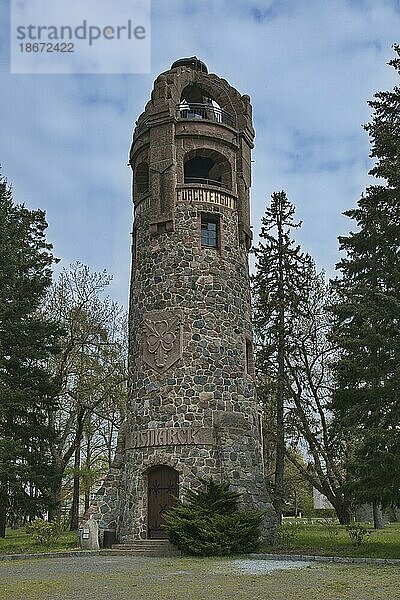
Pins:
x: 169, y: 437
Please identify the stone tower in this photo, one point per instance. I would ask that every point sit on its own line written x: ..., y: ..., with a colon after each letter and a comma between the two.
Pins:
x: 192, y: 407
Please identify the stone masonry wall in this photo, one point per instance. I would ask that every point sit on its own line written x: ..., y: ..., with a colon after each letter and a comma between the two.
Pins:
x: 192, y: 403
x: 208, y: 387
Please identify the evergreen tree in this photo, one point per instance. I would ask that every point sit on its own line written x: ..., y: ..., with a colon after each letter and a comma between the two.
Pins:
x: 209, y: 522
x: 280, y: 288
x: 27, y: 340
x: 367, y: 315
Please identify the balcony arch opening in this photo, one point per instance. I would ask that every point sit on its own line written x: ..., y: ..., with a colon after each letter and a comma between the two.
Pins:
x: 195, y: 93
x: 196, y: 103
x: 142, y: 178
x: 207, y: 167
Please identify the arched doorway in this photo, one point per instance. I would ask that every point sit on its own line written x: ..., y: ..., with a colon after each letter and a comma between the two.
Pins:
x: 163, y: 488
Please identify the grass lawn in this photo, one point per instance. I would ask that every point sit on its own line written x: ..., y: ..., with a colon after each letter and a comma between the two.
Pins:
x: 106, y: 578
x: 319, y: 539
x: 17, y: 541
x: 302, y: 538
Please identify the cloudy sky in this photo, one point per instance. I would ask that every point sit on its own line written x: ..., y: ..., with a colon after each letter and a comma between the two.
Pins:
x: 309, y: 67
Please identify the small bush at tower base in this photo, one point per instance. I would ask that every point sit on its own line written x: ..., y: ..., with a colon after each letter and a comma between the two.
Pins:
x: 210, y: 524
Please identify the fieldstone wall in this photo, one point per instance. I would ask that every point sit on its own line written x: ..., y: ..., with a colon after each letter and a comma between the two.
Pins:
x: 206, y: 388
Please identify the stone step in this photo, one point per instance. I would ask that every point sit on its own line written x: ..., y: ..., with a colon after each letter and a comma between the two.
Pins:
x: 143, y: 544
x: 121, y: 552
x: 151, y: 541
x: 144, y: 548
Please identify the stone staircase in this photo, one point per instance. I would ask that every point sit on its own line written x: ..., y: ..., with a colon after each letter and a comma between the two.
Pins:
x: 143, y: 548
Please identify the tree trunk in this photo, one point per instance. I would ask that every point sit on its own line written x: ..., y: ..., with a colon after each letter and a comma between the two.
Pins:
x: 88, y: 463
x: 343, y: 512
x: 55, y: 497
x: 3, y: 518
x: 3, y: 507
x: 279, y: 496
x: 76, y: 490
x: 378, y: 517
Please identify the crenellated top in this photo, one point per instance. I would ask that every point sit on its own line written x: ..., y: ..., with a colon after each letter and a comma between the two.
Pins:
x: 186, y: 92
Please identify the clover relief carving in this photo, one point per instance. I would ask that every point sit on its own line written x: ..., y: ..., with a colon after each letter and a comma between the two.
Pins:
x: 162, y: 339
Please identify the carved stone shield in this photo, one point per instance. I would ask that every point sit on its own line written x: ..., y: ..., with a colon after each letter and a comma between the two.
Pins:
x: 162, y: 339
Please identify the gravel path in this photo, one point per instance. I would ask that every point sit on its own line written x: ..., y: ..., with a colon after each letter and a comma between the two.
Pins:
x: 126, y: 577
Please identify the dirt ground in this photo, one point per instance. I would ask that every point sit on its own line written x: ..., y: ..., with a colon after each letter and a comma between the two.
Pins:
x: 109, y: 578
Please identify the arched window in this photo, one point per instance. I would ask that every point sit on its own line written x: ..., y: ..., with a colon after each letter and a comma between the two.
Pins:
x: 142, y: 178
x: 207, y: 167
x: 199, y: 170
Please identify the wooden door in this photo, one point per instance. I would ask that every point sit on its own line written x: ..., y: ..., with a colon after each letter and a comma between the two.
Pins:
x: 163, y: 486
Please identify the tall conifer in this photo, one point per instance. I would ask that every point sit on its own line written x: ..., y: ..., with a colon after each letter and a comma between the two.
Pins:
x: 280, y: 289
x: 27, y: 340
x: 367, y: 314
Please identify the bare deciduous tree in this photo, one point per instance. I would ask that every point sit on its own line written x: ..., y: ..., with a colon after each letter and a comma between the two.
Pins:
x: 92, y: 369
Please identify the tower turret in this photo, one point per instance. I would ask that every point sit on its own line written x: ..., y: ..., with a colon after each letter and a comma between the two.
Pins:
x: 192, y: 408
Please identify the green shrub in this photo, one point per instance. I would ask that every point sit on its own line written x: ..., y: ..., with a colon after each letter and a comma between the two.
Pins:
x: 333, y: 529
x: 357, y: 533
x: 44, y: 532
x: 210, y: 524
x: 286, y: 535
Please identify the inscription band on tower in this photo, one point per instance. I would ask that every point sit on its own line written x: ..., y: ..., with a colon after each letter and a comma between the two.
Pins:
x: 181, y: 436
x: 207, y: 196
